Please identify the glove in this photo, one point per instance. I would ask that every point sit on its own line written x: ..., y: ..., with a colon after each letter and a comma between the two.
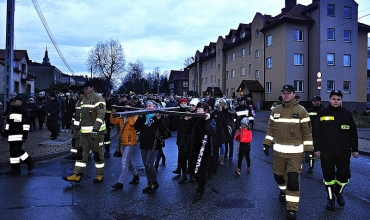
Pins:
x: 94, y: 135
x: 266, y: 149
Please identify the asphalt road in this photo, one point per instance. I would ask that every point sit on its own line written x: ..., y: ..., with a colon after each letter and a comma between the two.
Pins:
x: 42, y: 194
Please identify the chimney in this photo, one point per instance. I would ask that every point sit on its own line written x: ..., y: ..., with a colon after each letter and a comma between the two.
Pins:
x: 289, y: 4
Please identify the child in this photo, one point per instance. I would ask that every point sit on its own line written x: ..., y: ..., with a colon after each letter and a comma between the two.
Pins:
x: 244, y: 137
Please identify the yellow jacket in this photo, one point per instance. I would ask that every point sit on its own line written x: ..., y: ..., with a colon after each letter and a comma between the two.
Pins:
x: 126, y: 129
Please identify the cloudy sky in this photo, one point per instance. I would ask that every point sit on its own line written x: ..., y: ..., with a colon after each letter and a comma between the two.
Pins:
x: 160, y: 33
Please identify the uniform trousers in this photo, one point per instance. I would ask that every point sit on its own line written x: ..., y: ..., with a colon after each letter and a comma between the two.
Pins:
x: 335, y: 167
x: 87, y: 145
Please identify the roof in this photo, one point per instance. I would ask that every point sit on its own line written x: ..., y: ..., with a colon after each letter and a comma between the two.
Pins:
x: 251, y: 85
x: 18, y: 54
x: 217, y: 91
x: 179, y: 75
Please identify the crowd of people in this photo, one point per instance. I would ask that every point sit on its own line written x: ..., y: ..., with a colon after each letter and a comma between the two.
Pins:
x: 206, y: 131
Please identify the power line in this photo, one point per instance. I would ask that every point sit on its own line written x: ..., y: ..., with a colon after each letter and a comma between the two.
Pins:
x: 42, y: 18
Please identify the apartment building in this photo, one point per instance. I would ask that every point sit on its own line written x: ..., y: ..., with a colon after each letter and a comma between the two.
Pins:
x: 258, y: 58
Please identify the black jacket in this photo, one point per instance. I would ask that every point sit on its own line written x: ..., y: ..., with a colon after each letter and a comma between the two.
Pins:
x: 53, y: 107
x: 17, y: 121
x: 222, y: 132
x: 201, y: 128
x: 335, y: 131
x: 147, y: 133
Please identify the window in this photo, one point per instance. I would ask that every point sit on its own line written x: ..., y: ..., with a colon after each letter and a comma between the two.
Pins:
x: 234, y: 38
x: 346, y: 60
x: 219, y: 66
x: 227, y: 74
x: 206, y: 80
x: 347, y: 86
x: 298, y: 85
x: 219, y: 82
x: 242, y: 34
x: 257, y: 74
x: 202, y: 81
x: 233, y: 73
x: 347, y: 36
x: 269, y: 63
x: 330, y: 85
x: 268, y: 40
x: 250, y: 49
x: 330, y: 34
x: 233, y: 56
x: 268, y: 87
x: 232, y: 90
x: 250, y: 69
x: 207, y: 67
x: 227, y: 58
x: 347, y: 12
x: 330, y: 10
x: 298, y: 59
x: 227, y: 92
x: 242, y: 52
x: 185, y: 83
x: 257, y: 54
x: 212, y: 79
x: 242, y: 71
x: 298, y: 35
x: 330, y: 59
x: 257, y: 33
x: 212, y: 64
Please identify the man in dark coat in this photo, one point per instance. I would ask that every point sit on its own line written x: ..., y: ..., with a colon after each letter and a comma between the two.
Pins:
x: 53, y: 108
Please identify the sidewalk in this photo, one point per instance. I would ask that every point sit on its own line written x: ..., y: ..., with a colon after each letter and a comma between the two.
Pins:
x: 40, y: 147
x: 261, y: 124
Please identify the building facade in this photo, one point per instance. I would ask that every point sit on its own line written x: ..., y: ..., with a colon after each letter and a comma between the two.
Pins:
x: 179, y: 82
x: 258, y: 58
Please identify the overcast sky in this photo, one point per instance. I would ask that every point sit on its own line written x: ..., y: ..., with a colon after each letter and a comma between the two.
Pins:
x: 160, y: 33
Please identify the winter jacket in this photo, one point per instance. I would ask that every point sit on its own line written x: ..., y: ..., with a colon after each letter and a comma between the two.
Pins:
x: 92, y: 114
x: 222, y: 132
x: 17, y: 126
x: 289, y: 128
x: 243, y: 135
x: 53, y: 107
x: 201, y: 128
x: 147, y: 132
x: 41, y: 102
x: 335, y: 131
x: 31, y: 109
x: 126, y: 129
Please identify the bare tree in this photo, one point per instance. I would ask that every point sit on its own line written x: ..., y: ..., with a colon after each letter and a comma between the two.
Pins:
x: 188, y: 61
x: 134, y: 74
x: 107, y: 60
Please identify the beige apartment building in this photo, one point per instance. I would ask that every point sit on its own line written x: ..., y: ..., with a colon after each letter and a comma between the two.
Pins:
x: 258, y: 58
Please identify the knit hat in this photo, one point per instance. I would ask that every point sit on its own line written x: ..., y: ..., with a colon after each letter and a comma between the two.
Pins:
x: 182, y: 100
x: 31, y: 100
x: 18, y: 98
x: 245, y: 120
x: 194, y: 101
x: 151, y: 103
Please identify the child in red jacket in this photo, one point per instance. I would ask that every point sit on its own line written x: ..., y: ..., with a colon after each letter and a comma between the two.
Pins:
x: 244, y: 137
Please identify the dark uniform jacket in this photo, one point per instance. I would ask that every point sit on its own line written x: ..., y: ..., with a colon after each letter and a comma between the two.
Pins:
x: 312, y: 112
x: 335, y: 131
x: 17, y: 126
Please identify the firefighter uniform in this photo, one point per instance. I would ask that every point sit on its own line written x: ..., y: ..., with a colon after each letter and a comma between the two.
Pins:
x: 290, y: 132
x: 108, y: 112
x: 92, y: 130
x: 75, y: 133
x: 312, y: 112
x: 16, y: 130
x: 335, y: 138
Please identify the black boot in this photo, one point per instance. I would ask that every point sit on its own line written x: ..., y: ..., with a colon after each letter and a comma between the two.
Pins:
x: 135, y: 179
x: 154, y: 188
x: 177, y: 171
x: 147, y: 188
x: 339, y: 195
x: 191, y: 179
x: 15, y: 169
x: 163, y: 159
x: 30, y: 163
x: 330, y: 205
x: 184, y: 179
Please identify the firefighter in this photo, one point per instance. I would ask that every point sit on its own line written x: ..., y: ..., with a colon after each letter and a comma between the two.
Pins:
x: 16, y: 130
x: 76, y: 129
x: 312, y: 112
x: 335, y: 140
x: 92, y: 128
x: 289, y: 129
x: 108, y: 112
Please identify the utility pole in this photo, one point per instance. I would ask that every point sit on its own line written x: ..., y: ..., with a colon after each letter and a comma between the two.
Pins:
x: 157, y: 83
x: 9, y: 49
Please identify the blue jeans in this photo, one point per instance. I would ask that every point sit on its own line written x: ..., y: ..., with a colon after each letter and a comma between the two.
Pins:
x: 127, y: 163
x: 148, y: 162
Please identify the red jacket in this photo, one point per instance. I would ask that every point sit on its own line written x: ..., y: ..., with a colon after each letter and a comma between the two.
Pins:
x: 243, y: 135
